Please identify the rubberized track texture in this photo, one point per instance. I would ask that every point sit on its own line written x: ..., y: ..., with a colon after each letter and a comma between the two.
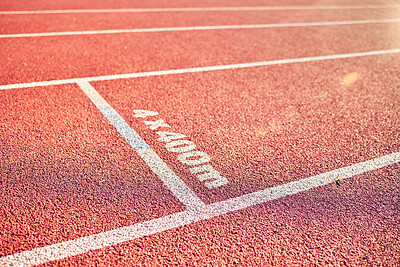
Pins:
x: 203, y: 133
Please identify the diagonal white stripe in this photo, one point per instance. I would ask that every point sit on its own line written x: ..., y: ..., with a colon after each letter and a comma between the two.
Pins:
x: 180, y: 190
x: 85, y: 244
x: 202, y: 28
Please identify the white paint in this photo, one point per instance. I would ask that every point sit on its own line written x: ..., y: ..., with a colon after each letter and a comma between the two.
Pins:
x: 201, y: 69
x: 203, y: 168
x: 197, y: 9
x: 217, y: 182
x: 197, y: 209
x: 168, y: 136
x: 209, y: 174
x: 201, y: 28
x: 182, y: 192
x: 194, y: 158
x: 141, y: 113
x: 156, y: 124
x: 180, y: 146
x: 189, y: 157
x: 166, y: 175
x: 85, y: 244
x: 37, y: 84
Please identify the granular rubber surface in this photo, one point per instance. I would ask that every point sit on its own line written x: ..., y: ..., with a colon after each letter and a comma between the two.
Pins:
x: 52, y: 58
x: 65, y: 172
x: 103, y: 21
x: 295, y: 126
x: 263, y: 128
x: 354, y: 224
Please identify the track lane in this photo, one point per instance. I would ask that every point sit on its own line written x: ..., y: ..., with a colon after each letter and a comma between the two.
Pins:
x: 12, y: 24
x: 264, y: 125
x: 353, y: 224
x: 129, y: 233
x: 51, y: 58
x: 65, y: 4
x: 66, y: 173
x: 376, y: 243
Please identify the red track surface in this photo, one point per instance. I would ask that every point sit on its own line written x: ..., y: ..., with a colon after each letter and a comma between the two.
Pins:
x: 63, y: 4
x: 50, y: 58
x: 262, y: 128
x: 102, y: 21
x: 66, y: 172
x: 355, y: 224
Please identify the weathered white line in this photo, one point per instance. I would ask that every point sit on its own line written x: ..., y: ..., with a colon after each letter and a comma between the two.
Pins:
x: 156, y: 164
x: 200, y: 69
x: 195, y: 9
x: 85, y: 244
x: 201, y: 28
x: 38, y: 84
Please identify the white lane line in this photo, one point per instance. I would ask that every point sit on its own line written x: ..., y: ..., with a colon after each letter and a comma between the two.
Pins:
x: 85, y: 244
x: 195, y: 9
x: 200, y: 69
x: 202, y: 28
x: 185, y: 195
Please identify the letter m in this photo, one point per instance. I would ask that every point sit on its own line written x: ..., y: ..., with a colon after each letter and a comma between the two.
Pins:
x: 209, y: 173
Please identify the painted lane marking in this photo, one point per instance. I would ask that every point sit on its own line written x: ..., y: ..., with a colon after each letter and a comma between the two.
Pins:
x: 199, y: 69
x: 185, y: 195
x: 196, y: 9
x: 188, y: 156
x: 85, y: 244
x: 202, y: 28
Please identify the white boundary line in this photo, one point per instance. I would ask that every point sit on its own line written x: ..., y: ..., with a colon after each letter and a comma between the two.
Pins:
x: 199, y: 211
x: 201, y: 28
x: 195, y: 9
x: 199, y: 69
x: 85, y: 244
x: 180, y: 190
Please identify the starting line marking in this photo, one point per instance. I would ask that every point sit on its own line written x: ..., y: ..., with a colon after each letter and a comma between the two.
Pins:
x: 202, y: 28
x: 85, y: 244
x: 195, y: 9
x: 185, y: 195
x: 199, y: 69
x: 197, y: 210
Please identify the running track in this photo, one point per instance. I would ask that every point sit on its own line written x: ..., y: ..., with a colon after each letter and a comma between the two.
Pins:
x: 200, y: 132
